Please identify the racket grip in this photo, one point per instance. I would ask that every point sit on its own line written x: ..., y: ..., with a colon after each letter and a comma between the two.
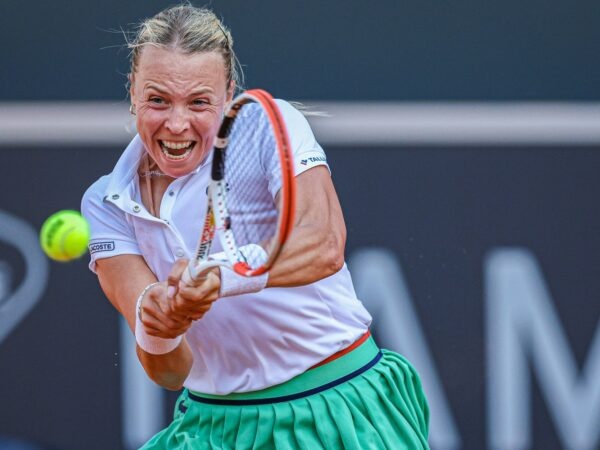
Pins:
x: 197, y: 271
x: 189, y: 274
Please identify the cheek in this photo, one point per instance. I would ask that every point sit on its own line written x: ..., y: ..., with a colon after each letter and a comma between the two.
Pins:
x: 207, y: 126
x: 204, y: 122
x: 149, y: 121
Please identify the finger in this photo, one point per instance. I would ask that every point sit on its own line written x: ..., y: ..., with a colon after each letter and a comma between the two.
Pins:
x: 156, y: 310
x: 194, y: 301
x: 191, y: 310
x: 158, y: 301
x: 215, y: 279
x: 175, y: 276
x: 207, y: 290
x: 164, y: 327
x: 167, y: 333
x: 200, y: 312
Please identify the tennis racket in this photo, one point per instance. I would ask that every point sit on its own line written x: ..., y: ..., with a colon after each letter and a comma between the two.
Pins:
x: 251, y: 195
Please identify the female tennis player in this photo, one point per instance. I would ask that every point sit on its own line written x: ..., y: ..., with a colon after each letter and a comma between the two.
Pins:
x: 283, y: 359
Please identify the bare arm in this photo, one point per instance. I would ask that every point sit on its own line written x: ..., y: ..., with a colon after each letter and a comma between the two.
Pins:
x: 315, y: 249
x: 122, y: 279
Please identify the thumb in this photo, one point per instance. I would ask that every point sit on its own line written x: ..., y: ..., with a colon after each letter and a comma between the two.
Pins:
x: 174, y: 276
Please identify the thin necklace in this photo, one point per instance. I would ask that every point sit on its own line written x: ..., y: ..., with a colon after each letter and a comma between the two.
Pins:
x: 153, y: 173
x: 151, y: 169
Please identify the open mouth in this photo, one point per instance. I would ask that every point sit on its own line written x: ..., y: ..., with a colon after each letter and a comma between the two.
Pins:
x: 176, y: 150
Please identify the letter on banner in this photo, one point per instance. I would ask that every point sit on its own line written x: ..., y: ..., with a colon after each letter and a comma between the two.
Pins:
x: 523, y: 327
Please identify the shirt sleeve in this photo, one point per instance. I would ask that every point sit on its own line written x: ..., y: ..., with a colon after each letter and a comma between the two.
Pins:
x: 111, y: 234
x: 306, y: 151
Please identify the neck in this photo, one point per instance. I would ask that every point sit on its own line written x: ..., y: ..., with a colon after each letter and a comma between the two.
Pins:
x: 153, y: 183
x: 149, y: 168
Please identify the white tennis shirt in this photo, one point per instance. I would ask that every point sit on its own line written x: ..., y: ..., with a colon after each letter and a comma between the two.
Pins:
x: 246, y: 342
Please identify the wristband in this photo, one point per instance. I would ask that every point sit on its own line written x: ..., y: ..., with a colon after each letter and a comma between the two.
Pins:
x: 233, y: 283
x: 151, y: 344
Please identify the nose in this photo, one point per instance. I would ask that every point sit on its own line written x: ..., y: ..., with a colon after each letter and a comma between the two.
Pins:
x: 178, y: 121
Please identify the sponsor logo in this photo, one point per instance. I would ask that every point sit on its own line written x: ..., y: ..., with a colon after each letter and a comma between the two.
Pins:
x: 102, y: 247
x: 207, y: 236
x: 313, y: 159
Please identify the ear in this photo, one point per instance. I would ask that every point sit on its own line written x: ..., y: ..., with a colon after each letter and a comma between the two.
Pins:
x: 230, y: 90
x: 131, y: 86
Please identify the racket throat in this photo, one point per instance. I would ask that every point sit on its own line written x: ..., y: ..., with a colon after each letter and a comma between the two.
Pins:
x: 218, y: 165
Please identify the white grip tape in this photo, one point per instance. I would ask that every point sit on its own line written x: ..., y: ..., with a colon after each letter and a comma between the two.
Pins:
x: 151, y: 344
x: 235, y: 284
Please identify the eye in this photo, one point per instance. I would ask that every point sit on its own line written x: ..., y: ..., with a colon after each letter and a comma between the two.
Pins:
x: 156, y: 100
x: 199, y: 102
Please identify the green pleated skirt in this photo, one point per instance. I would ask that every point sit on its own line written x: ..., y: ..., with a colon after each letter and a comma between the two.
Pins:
x: 366, y: 399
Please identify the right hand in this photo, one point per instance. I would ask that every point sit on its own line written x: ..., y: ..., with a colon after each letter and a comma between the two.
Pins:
x: 158, y: 317
x: 192, y: 300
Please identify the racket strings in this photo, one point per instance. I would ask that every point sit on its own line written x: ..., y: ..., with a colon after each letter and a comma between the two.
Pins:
x: 251, y: 174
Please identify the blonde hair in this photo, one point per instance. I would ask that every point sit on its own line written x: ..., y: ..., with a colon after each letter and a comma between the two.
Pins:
x: 190, y: 30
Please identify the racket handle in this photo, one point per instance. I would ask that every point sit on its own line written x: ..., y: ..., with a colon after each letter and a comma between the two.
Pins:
x: 196, y: 271
x: 189, y: 274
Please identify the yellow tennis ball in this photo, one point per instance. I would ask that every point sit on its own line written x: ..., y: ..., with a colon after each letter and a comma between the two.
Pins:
x: 64, y: 235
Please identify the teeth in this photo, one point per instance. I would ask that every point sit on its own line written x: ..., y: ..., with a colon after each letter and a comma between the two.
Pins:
x: 176, y: 145
x: 172, y: 149
x: 172, y: 156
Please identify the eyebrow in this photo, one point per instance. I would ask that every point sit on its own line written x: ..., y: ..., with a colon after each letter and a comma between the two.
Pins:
x: 202, y: 90
x: 155, y: 87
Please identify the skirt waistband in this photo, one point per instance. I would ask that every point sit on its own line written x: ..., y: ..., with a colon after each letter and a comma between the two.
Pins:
x: 319, y: 378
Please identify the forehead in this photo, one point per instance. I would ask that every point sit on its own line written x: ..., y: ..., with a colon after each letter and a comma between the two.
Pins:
x: 177, y: 70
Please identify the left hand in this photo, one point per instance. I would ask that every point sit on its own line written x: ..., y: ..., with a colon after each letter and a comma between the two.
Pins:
x: 194, y: 300
x: 158, y: 318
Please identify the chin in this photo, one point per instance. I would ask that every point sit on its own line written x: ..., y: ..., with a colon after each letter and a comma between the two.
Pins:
x: 181, y: 171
